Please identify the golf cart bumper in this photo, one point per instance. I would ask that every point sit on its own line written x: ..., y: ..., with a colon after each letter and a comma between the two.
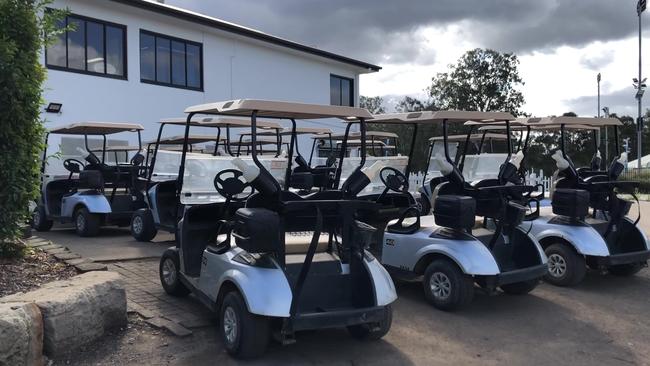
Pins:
x: 624, y: 258
x: 338, y: 319
x: 518, y: 275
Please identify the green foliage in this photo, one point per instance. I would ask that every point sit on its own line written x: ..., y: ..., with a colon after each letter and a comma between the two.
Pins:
x: 372, y: 104
x: 482, y: 80
x: 21, y: 129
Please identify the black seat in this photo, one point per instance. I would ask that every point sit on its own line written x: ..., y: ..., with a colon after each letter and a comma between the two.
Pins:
x: 455, y: 212
x: 91, y: 179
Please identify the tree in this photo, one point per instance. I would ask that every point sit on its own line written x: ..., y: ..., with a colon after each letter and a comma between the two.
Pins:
x: 409, y: 104
x: 373, y: 104
x: 21, y: 129
x: 482, y: 80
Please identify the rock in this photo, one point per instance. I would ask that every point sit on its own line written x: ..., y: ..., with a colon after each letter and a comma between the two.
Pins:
x: 90, y: 266
x: 21, y: 334
x: 74, y: 262
x: 66, y: 255
x: 78, y: 310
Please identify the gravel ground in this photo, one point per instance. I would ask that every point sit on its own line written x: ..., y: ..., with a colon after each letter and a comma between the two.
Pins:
x: 33, y: 270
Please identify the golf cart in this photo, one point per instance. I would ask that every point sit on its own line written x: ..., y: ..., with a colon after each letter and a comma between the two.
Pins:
x: 449, y: 250
x: 93, y: 193
x: 573, y: 239
x: 274, y: 262
x: 164, y: 205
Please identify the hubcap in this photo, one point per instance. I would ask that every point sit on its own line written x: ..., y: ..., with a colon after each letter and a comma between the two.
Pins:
x: 169, y: 272
x: 81, y: 222
x: 556, y: 265
x: 440, y: 285
x: 230, y: 325
x: 137, y: 224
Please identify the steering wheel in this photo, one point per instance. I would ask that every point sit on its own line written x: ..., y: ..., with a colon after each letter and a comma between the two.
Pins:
x: 231, y: 186
x: 72, y: 165
x: 394, y: 180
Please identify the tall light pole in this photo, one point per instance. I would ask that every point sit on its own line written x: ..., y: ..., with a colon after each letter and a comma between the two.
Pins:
x: 640, y: 87
x: 598, y: 81
x: 606, y: 161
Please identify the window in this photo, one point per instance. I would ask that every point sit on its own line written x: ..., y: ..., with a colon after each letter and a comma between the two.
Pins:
x: 90, y: 46
x: 170, y: 61
x: 341, y: 91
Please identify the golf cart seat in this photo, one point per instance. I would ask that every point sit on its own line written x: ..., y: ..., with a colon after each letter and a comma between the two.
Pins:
x: 90, y: 179
x: 455, y: 212
x: 297, y: 242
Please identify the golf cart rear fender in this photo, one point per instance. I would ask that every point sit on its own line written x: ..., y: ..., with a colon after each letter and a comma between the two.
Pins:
x: 639, y: 232
x: 471, y: 256
x: 384, y: 287
x: 95, y: 203
x: 266, y: 291
x: 585, y: 239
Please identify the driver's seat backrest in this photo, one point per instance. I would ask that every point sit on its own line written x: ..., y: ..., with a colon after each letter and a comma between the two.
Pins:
x: 91, y: 179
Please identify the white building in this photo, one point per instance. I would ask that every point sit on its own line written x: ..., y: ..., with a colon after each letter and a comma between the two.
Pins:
x: 140, y: 61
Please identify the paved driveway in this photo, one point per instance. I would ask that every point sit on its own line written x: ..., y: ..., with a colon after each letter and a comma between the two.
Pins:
x: 602, y: 321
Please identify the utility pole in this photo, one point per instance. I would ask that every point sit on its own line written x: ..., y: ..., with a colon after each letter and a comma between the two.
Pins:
x: 640, y: 87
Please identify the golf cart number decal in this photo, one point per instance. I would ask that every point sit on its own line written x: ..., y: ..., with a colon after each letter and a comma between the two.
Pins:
x: 390, y: 242
x: 276, y: 165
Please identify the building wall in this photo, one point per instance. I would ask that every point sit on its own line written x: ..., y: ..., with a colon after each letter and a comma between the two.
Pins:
x: 233, y: 67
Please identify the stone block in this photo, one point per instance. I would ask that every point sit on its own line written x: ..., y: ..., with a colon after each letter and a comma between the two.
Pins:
x: 21, y: 334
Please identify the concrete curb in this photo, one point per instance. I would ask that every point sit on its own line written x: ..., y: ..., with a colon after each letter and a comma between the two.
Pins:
x: 82, y: 265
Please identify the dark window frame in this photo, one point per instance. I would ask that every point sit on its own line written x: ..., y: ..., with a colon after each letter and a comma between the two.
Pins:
x: 352, y: 90
x: 155, y: 63
x: 104, y: 23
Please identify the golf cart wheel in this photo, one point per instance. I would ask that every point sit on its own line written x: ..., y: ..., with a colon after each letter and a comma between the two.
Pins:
x: 520, y: 288
x: 244, y: 335
x: 625, y: 270
x: 169, y: 272
x: 40, y: 221
x: 142, y: 225
x: 446, y: 286
x: 373, y: 331
x: 87, y: 224
x: 565, y: 266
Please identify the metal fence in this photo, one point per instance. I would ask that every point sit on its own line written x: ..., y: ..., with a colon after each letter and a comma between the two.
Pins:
x: 641, y: 175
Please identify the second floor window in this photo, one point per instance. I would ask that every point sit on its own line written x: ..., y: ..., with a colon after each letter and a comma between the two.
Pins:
x: 89, y: 46
x: 341, y: 91
x: 170, y: 61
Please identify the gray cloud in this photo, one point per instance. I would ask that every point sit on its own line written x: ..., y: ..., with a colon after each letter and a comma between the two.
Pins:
x: 598, y: 62
x: 621, y: 102
x: 383, y: 31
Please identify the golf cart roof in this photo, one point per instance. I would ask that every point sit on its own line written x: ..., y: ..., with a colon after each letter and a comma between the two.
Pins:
x: 220, y: 122
x: 357, y: 143
x: 191, y: 139
x: 277, y: 109
x: 369, y: 135
x: 308, y: 131
x: 537, y: 127
x: 248, y: 142
x: 440, y: 116
x: 473, y: 137
x: 119, y: 148
x: 96, y: 128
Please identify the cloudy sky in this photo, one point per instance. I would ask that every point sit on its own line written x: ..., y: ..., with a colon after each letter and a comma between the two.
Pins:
x: 562, y: 44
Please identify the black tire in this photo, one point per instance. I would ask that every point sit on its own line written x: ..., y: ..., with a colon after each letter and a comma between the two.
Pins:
x: 169, y: 272
x: 252, y: 332
x: 452, y: 289
x: 520, y: 288
x: 625, y: 270
x: 40, y: 221
x: 142, y: 226
x: 373, y: 331
x: 85, y: 223
x: 566, y: 266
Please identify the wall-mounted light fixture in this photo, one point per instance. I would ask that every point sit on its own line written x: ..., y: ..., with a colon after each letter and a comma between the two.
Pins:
x: 54, y: 108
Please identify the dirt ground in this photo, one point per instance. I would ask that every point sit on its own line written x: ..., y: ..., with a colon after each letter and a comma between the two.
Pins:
x: 603, y: 321
x: 31, y: 271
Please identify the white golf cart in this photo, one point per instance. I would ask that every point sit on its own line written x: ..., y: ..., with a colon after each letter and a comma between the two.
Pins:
x: 94, y: 192
x: 162, y: 196
x: 448, y: 250
x: 605, y: 240
x: 274, y: 262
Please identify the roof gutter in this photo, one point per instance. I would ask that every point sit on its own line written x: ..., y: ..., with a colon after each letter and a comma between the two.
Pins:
x: 246, y: 32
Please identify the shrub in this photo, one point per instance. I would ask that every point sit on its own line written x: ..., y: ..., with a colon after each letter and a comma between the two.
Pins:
x: 22, y: 38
